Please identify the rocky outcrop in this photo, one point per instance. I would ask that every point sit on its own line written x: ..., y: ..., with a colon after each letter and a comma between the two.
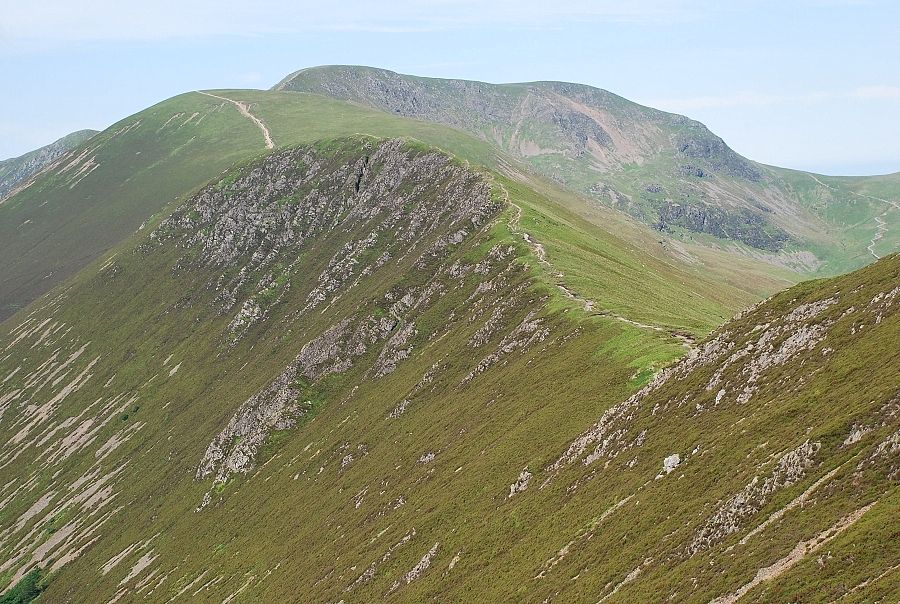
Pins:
x: 700, y: 143
x: 729, y: 518
x: 732, y: 368
x: 526, y: 333
x: 387, y: 202
x: 610, y: 434
x: 521, y: 483
x: 252, y: 226
x: 744, y: 225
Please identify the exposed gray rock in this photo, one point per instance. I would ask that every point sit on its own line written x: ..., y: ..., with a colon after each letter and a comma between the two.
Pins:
x: 418, y: 570
x: 700, y: 143
x: 609, y: 434
x: 670, y: 463
x: 731, y: 515
x: 744, y: 225
x: 397, y: 348
x: 521, y: 483
x: 253, y: 227
x: 393, y: 200
x: 529, y: 331
x: 399, y: 410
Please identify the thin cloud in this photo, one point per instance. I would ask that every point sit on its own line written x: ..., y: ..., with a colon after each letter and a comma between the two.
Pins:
x: 60, y: 21
x: 877, y: 93
x: 758, y: 99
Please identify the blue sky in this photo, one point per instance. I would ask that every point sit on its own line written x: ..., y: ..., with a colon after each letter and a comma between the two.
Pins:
x: 810, y: 84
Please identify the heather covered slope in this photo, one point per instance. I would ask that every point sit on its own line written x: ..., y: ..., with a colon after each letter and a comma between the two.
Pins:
x: 667, y: 170
x: 317, y: 279
x: 343, y: 372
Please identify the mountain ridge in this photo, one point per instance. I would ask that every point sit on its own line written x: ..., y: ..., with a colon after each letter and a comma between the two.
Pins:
x: 138, y: 170
x: 696, y: 185
x: 278, y: 346
x: 16, y: 172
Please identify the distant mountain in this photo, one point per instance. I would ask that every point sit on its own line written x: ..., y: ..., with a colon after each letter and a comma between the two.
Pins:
x: 17, y: 171
x: 667, y: 170
x: 710, y: 211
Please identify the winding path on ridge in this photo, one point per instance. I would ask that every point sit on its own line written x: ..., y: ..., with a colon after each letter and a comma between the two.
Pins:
x: 588, y: 305
x: 245, y: 111
x: 881, y: 224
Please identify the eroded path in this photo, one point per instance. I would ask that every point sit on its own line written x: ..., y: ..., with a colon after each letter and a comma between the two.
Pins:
x: 245, y: 111
x: 588, y: 305
x: 880, y: 224
x: 800, y: 551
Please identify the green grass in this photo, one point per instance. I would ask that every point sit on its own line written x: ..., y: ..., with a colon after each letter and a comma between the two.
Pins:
x: 26, y: 590
x: 52, y: 229
x: 144, y: 326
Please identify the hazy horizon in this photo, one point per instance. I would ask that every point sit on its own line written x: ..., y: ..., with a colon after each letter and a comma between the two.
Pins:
x: 766, y: 76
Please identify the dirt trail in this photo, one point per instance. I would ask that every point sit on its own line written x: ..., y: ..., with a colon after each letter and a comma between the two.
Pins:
x: 800, y: 551
x: 880, y: 224
x: 879, y: 233
x: 800, y: 500
x: 588, y: 305
x: 245, y: 111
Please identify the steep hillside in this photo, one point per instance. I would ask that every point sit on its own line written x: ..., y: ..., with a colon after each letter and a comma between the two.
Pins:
x: 345, y: 372
x: 103, y: 190
x: 141, y: 168
x: 262, y: 307
x: 16, y: 172
x: 665, y: 169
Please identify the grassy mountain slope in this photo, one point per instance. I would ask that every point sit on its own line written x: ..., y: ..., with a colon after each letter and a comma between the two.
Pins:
x: 142, y: 167
x: 851, y: 207
x: 17, y: 171
x: 230, y: 290
x: 629, y: 267
x: 103, y: 190
x: 342, y: 372
x: 665, y: 169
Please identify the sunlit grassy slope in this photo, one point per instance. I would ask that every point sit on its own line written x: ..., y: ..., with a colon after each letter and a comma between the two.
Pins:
x: 627, y: 269
x: 108, y: 187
